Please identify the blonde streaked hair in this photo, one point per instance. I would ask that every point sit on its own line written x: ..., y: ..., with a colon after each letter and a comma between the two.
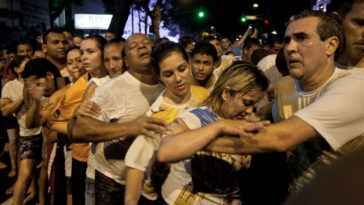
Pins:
x: 240, y: 77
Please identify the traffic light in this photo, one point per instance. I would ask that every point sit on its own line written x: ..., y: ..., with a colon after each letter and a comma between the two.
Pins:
x: 243, y: 19
x: 201, y: 14
x: 266, y: 21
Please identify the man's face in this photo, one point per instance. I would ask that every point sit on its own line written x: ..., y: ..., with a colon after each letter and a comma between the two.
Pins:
x: 304, y: 51
x: 248, y: 52
x: 138, y: 48
x: 57, y: 46
x: 69, y: 38
x: 5, y: 54
x: 113, y: 59
x: 109, y: 36
x: 225, y: 43
x: 276, y: 48
x: 11, y: 56
x: 353, y: 26
x: 217, y: 45
x: 24, y: 50
x: 202, y: 66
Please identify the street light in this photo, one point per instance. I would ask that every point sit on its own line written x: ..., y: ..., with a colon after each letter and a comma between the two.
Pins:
x: 255, y: 5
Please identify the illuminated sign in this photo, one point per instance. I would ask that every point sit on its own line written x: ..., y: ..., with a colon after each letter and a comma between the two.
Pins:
x: 92, y: 21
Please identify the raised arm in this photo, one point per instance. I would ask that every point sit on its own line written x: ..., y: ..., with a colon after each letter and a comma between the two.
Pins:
x: 276, y: 137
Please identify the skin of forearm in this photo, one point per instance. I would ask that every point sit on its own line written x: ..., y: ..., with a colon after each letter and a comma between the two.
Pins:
x: 60, y: 128
x: 11, y: 108
x: 279, y: 137
x: 133, y: 188
x: 87, y: 129
x: 33, y: 118
x: 183, y: 145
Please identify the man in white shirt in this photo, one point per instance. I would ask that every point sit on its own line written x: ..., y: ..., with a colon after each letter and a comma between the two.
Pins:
x: 123, y: 101
x: 334, y: 113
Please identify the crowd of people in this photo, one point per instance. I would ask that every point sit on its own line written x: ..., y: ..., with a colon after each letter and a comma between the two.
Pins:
x: 130, y: 121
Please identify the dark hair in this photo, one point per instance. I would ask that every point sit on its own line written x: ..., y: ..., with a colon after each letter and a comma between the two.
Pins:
x: 114, y: 41
x: 342, y: 7
x: 281, y: 63
x: 52, y: 30
x: 100, y: 41
x: 258, y: 55
x: 328, y: 26
x: 209, y: 38
x: 250, y: 42
x: 24, y: 42
x: 73, y: 48
x: 164, y: 50
x: 205, y: 48
x: 274, y: 39
x: 39, y: 67
x: 222, y: 37
x: 16, y: 63
x: 185, y: 41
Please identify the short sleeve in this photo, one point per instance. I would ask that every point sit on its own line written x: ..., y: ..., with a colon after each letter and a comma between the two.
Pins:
x: 191, y: 120
x: 338, y: 115
x: 142, y: 153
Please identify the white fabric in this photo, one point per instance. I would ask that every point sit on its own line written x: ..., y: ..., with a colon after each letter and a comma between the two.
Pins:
x: 122, y: 99
x: 338, y: 115
x: 90, y: 171
x: 142, y: 153
x: 14, y: 91
x: 226, y: 61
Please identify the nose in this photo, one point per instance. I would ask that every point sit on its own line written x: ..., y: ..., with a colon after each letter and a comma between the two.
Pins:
x: 290, y: 47
x: 75, y: 64
x: 178, y: 78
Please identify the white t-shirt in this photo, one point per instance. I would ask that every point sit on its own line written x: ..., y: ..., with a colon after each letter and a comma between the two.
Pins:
x: 338, y: 114
x: 122, y: 99
x: 226, y: 61
x: 14, y: 91
x: 90, y: 171
x: 142, y: 153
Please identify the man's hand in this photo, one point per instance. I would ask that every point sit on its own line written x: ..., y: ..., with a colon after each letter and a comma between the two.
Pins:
x: 148, y: 126
x: 5, y: 101
x: 175, y: 127
x: 241, y: 128
x: 88, y: 109
x: 255, y: 33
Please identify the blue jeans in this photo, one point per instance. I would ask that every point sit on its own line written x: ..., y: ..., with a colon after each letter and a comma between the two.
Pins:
x: 90, y: 192
x: 107, y: 191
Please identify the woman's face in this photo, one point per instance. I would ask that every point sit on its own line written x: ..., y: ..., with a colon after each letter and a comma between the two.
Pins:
x: 175, y: 74
x: 91, y: 55
x: 239, y: 106
x: 74, y: 64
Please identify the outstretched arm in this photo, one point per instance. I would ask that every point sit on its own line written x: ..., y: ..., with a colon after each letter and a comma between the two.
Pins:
x: 276, y: 137
x: 180, y: 146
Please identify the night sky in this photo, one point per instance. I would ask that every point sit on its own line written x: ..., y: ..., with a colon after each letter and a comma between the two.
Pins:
x: 225, y: 15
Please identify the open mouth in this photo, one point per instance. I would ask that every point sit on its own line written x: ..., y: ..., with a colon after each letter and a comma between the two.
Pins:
x: 144, y: 54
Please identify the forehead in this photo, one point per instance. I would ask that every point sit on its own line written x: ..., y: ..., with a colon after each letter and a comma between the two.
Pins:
x: 88, y: 43
x: 225, y: 40
x: 24, y: 46
x: 56, y: 36
x: 137, y: 38
x: 306, y: 25
x: 114, y: 48
x: 73, y: 52
x: 66, y: 33
x: 357, y: 11
x: 202, y: 57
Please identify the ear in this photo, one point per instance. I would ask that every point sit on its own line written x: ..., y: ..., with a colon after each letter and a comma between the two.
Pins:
x: 225, y: 95
x: 49, y: 75
x: 44, y: 48
x: 332, y: 44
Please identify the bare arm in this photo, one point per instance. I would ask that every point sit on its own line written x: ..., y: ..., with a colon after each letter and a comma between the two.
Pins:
x: 92, y: 130
x: 246, y: 34
x: 277, y: 137
x: 133, y: 188
x: 180, y: 146
x: 12, y: 107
